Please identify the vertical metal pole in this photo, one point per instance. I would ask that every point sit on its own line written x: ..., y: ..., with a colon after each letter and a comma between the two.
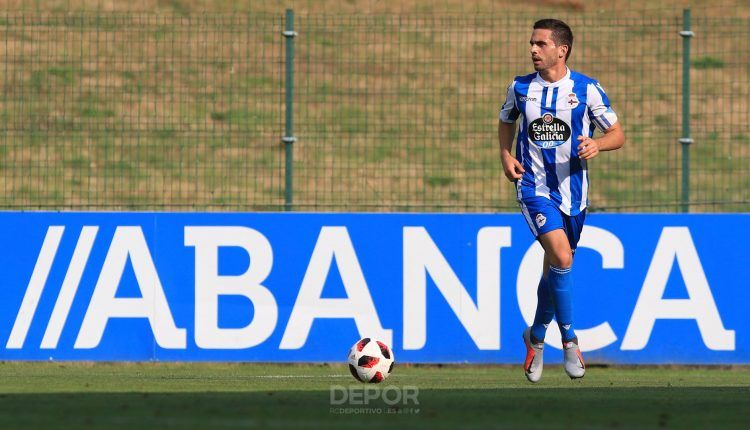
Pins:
x: 685, y: 140
x: 289, y: 138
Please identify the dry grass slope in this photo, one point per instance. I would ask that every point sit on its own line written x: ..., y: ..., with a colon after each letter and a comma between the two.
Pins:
x: 179, y: 104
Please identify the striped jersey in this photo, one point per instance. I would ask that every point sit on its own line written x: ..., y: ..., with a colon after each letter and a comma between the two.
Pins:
x: 553, y: 116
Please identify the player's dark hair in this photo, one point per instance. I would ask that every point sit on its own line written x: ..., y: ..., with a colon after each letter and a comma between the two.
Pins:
x: 561, y: 32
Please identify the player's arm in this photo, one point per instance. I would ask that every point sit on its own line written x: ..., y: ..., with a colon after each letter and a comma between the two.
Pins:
x: 601, y: 114
x: 612, y: 139
x: 505, y: 134
x: 506, y: 131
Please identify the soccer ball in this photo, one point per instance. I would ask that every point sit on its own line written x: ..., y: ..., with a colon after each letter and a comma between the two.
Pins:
x: 370, y: 360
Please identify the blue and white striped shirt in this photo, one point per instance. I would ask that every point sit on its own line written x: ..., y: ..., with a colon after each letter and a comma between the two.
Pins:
x: 554, y: 115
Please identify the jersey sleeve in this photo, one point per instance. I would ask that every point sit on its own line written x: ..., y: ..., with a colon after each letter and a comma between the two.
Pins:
x: 509, y: 112
x: 600, y: 112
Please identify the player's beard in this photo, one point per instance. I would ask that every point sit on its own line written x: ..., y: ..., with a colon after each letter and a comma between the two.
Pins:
x: 541, y: 65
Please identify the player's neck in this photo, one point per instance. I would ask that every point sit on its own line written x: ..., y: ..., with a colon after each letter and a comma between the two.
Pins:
x: 554, y: 74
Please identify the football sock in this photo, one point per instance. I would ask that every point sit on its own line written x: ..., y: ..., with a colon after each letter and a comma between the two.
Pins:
x: 560, y: 282
x: 545, y: 311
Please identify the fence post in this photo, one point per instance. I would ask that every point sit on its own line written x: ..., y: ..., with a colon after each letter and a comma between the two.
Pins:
x: 685, y: 140
x: 289, y: 138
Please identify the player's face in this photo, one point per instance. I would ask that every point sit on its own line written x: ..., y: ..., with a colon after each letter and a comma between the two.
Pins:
x: 544, y: 53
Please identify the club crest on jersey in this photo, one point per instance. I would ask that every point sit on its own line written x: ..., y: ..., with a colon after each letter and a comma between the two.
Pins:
x: 540, y: 220
x: 572, y: 100
x: 549, y: 131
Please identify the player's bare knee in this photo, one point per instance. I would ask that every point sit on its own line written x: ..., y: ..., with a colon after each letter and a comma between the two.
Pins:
x: 562, y: 260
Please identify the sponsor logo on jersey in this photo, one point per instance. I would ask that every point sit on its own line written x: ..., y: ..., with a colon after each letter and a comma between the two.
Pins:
x: 527, y: 99
x: 548, y: 131
x: 540, y: 220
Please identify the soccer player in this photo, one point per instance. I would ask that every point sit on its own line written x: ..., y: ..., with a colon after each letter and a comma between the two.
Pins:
x: 559, y: 110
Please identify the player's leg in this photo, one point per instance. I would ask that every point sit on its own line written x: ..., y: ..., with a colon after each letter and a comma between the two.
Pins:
x: 545, y: 308
x: 573, y: 360
x: 559, y: 279
x: 533, y: 336
x: 534, y: 362
x: 542, y: 216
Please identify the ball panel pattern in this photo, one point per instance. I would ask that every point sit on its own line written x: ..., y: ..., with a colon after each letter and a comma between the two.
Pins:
x: 370, y: 360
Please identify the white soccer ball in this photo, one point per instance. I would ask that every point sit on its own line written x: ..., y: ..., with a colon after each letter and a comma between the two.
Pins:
x: 370, y: 360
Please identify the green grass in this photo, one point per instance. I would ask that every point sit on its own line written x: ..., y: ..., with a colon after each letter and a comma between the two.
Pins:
x: 158, y: 395
x: 392, y: 110
x: 708, y: 63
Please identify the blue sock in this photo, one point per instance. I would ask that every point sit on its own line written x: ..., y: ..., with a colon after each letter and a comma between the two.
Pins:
x: 560, y: 283
x: 545, y: 311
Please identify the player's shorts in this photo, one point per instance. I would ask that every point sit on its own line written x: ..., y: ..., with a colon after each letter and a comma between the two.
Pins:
x: 542, y: 215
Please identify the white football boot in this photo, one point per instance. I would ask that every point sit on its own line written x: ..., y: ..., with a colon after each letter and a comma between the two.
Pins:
x: 574, y: 366
x: 534, y: 363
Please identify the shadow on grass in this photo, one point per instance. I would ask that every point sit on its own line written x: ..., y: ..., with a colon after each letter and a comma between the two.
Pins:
x: 532, y: 407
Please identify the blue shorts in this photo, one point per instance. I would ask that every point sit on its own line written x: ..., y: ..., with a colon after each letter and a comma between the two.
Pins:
x: 543, y: 216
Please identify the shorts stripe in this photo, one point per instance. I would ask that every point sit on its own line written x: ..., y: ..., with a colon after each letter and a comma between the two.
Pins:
x: 526, y: 215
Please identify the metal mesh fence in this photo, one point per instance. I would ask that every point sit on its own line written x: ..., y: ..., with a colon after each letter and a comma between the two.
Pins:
x: 140, y: 111
x: 720, y: 103
x: 118, y: 110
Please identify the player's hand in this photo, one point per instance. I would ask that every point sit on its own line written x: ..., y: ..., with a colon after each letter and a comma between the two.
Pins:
x: 588, y: 149
x: 513, y: 169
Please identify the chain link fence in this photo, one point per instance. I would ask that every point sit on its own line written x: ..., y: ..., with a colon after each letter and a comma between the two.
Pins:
x: 116, y: 110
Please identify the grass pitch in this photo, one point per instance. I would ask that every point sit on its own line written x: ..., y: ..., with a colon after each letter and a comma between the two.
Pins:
x: 202, y: 396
